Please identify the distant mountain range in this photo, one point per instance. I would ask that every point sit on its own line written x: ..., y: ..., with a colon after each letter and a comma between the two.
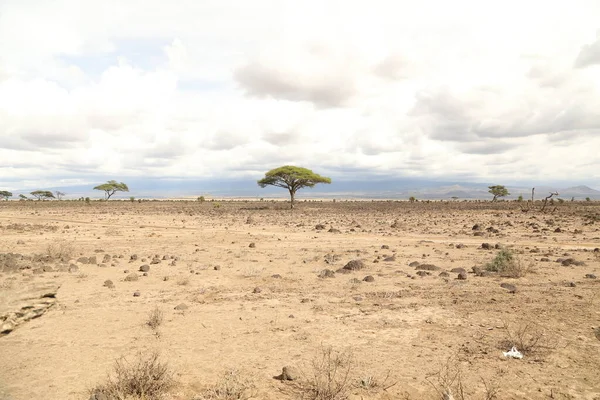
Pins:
x: 375, y: 189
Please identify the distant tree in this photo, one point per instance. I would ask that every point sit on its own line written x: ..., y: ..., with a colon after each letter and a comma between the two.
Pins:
x: 412, y: 199
x: 588, y: 199
x: 23, y: 197
x: 5, y: 194
x: 292, y: 178
x: 42, y: 194
x: 498, y: 191
x: 59, y: 195
x: 454, y: 198
x: 112, y: 187
x: 201, y: 199
x: 520, y: 198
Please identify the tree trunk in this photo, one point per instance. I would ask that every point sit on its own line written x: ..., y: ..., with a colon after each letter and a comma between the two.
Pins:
x: 292, y: 193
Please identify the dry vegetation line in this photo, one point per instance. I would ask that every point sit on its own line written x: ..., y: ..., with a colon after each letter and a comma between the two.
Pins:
x: 355, y: 301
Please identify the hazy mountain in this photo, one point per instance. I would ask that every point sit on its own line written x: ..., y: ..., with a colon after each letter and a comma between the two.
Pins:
x: 376, y: 189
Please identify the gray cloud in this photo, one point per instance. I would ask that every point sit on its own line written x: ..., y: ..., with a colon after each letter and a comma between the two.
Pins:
x: 283, y: 138
x: 589, y: 54
x: 486, y: 148
x: 263, y: 81
x: 392, y: 67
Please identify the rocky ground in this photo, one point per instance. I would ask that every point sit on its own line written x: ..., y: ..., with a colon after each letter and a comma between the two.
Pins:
x: 403, y: 292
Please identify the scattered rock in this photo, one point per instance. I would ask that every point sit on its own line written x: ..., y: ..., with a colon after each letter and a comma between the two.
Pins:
x: 327, y: 273
x: 137, y: 293
x: 590, y: 276
x: 276, y: 276
x: 20, y: 242
x: 390, y: 259
x: 509, y: 286
x: 462, y: 276
x: 385, y: 247
x: 319, y: 227
x: 109, y: 284
x: 145, y: 268
x: 289, y: 374
x: 444, y: 274
x: 252, y: 245
x: 572, y: 284
x: 354, y: 265
x: 83, y: 260
x: 427, y: 267
x: 423, y: 273
x: 217, y: 267
x: 369, y: 278
x: 486, y: 246
x: 476, y: 227
x: 132, y: 277
x: 133, y: 257
x: 181, y: 307
x: 414, y: 264
x: 458, y: 270
x: 334, y: 230
x: 257, y: 290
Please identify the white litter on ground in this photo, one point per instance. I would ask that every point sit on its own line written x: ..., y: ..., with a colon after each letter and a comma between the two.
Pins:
x: 513, y: 353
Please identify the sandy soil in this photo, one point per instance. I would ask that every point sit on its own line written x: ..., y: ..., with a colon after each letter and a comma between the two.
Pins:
x: 261, y: 307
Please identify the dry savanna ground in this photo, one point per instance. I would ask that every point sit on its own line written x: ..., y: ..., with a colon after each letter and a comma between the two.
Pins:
x: 358, y: 300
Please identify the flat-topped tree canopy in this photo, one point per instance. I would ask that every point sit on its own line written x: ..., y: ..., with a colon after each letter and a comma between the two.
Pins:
x: 111, y: 187
x: 292, y: 178
x: 5, y: 194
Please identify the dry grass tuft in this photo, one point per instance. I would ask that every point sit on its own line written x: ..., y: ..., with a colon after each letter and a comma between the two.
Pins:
x: 61, y: 250
x: 155, y: 318
x: 144, y: 378
x: 233, y: 386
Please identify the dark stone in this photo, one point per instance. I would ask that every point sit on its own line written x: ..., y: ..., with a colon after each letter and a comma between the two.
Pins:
x: 252, y: 245
x: 444, y: 274
x: 458, y: 270
x: 486, y: 246
x: 145, y: 268
x: 257, y: 290
x: 590, y: 276
x: 132, y: 277
x: 509, y: 286
x: 428, y: 267
x: 354, y: 265
x: 181, y: 307
x: 462, y: 276
x: 369, y: 278
x: 137, y: 293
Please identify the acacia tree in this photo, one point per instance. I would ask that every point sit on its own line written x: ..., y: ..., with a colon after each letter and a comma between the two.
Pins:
x: 112, y: 187
x: 292, y: 178
x: 59, y: 195
x: 498, y: 191
x: 5, y: 194
x: 42, y: 194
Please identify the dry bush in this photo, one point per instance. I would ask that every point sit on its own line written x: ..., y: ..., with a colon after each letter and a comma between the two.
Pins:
x: 528, y: 337
x: 233, y: 386
x: 507, y: 264
x: 447, y: 381
x: 330, y: 378
x: 155, y: 318
x: 144, y: 378
x: 61, y: 250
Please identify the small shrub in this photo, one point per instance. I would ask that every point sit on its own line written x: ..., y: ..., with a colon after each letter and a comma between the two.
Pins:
x: 132, y: 199
x: 508, y: 264
x: 144, y: 378
x: 201, y: 199
x: 528, y: 337
x: 233, y: 386
x: 61, y: 250
x: 330, y: 378
x: 155, y: 318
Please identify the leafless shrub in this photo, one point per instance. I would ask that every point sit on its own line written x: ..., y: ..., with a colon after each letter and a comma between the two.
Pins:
x: 155, y: 318
x: 330, y: 378
x: 233, y: 386
x: 144, y: 378
x: 447, y: 381
x: 371, y: 383
x: 528, y: 337
x: 61, y: 250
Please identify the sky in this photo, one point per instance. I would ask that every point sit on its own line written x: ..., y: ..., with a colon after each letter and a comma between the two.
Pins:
x: 456, y: 90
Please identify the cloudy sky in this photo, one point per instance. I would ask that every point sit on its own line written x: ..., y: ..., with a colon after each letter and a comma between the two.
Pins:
x: 457, y: 90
